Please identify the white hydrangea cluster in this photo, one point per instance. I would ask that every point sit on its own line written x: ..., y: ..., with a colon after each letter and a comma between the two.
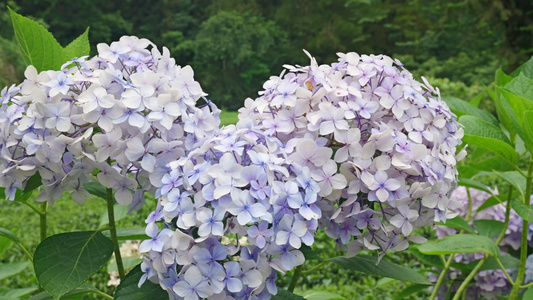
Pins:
x: 235, y: 211
x: 381, y: 145
x: 117, y: 118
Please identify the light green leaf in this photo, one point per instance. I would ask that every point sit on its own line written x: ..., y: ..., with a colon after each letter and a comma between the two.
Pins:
x: 129, y: 290
x: 461, y: 107
x: 78, y: 47
x: 12, y: 268
x: 321, y: 295
x: 458, y: 223
x: 515, y: 179
x: 523, y: 210
x: 528, y: 294
x: 496, y: 199
x: 16, y: 293
x: 477, y: 99
x: 485, y: 135
x: 64, y: 261
x: 473, y: 184
x: 38, y: 46
x: 128, y: 234
x: 369, y: 265
x: 504, y: 111
x: 84, y: 288
x: 461, y: 243
x: 521, y: 86
x: 8, y: 234
x: 527, y: 127
x: 508, y: 261
x: 488, y: 228
x: 410, y: 290
x: 488, y: 164
x: 5, y: 243
x: 501, y: 78
x: 121, y: 211
x: 526, y: 69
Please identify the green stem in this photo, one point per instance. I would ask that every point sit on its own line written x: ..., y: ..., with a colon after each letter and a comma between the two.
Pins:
x: 103, y: 294
x: 469, y: 212
x: 441, y: 277
x: 523, y: 245
x: 28, y: 254
x: 469, y: 278
x: 320, y: 265
x: 295, y: 278
x: 42, y: 218
x: 527, y: 285
x: 33, y: 207
x: 504, y: 271
x: 113, y: 231
x: 507, y: 215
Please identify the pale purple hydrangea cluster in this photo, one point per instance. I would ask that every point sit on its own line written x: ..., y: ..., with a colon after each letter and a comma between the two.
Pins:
x: 489, y: 284
x: 381, y: 146
x: 126, y: 113
x: 235, y: 211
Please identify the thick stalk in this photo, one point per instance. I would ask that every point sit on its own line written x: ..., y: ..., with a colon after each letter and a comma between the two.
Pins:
x: 507, y: 215
x: 42, y: 218
x: 113, y: 231
x: 441, y: 277
x: 469, y: 278
x: 295, y: 278
x: 523, y: 245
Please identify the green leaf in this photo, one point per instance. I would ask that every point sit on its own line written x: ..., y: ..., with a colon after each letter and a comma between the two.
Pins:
x: 96, y: 189
x: 85, y: 288
x: 369, y: 265
x: 38, y: 46
x: 410, y: 290
x: 508, y: 261
x: 527, y: 127
x: 431, y: 260
x: 526, y: 69
x: 515, y: 179
x: 485, y: 135
x: 128, y: 234
x: 461, y: 243
x: 488, y: 228
x: 308, y: 253
x: 474, y: 184
x: 523, y: 210
x: 64, y: 261
x: 521, y: 86
x: 121, y: 211
x: 321, y: 295
x: 5, y: 243
x: 8, y: 234
x: 457, y: 223
x: 461, y: 107
x: 504, y: 111
x: 528, y: 294
x: 128, y: 289
x: 286, y: 295
x: 488, y: 164
x: 78, y: 47
x: 33, y: 183
x: 12, y: 268
x: 477, y: 99
x: 496, y: 199
x: 16, y: 293
x: 128, y: 262
x: 501, y: 78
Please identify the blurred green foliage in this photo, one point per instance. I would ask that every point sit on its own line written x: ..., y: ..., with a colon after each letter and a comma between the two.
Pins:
x: 234, y: 45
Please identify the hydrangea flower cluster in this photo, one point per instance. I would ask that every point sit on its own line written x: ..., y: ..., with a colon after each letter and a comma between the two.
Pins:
x: 235, y: 211
x: 125, y: 113
x: 381, y: 146
x: 489, y: 283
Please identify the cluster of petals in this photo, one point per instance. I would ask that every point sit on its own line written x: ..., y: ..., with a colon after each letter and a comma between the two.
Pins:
x: 117, y: 118
x: 489, y: 284
x: 235, y: 211
x: 381, y: 145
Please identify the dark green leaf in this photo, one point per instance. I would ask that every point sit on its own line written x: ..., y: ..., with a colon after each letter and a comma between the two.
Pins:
x: 286, y: 295
x: 96, y: 189
x: 369, y: 265
x: 84, y: 288
x: 489, y: 228
x: 38, y: 46
x: 128, y: 234
x: 474, y: 184
x: 515, y: 179
x: 523, y: 210
x: 12, y: 268
x: 64, y: 261
x: 309, y: 254
x: 129, y: 290
x: 410, y: 290
x: 485, y: 135
x: 431, y: 260
x: 461, y: 107
x: 457, y: 223
x: 461, y: 243
x: 504, y: 111
x: 78, y: 47
x: 33, y: 183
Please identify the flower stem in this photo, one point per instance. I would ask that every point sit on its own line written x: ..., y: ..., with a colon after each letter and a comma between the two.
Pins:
x: 523, y: 244
x: 320, y: 265
x: 441, y: 277
x: 42, y: 218
x: 295, y: 278
x: 113, y: 231
x: 469, y: 278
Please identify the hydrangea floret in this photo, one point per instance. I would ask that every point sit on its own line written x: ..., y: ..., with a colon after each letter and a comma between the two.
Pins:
x: 381, y: 146
x: 117, y: 118
x: 488, y: 284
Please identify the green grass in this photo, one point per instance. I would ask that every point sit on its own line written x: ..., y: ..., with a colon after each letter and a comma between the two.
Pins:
x: 229, y: 117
